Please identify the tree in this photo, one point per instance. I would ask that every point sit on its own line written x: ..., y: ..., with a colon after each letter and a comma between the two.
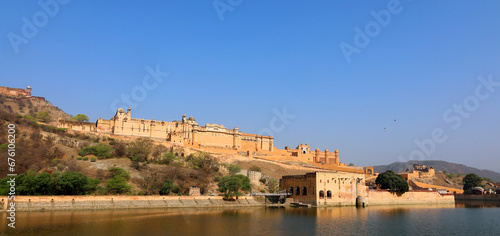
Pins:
x: 230, y: 185
x: 351, y: 164
x: 139, y: 150
x: 118, y: 182
x: 392, y: 181
x: 80, y: 117
x: 470, y: 181
x: 44, y: 116
x: 72, y: 183
x: 168, y: 187
x: 273, y: 185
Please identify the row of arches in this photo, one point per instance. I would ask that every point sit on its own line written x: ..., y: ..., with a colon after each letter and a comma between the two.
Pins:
x: 298, y: 191
x: 322, y: 194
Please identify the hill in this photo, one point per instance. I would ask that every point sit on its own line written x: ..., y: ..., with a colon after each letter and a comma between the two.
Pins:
x: 24, y: 106
x: 439, y: 166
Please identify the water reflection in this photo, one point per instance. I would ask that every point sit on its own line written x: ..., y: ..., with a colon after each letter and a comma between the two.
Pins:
x: 378, y: 220
x: 477, y: 204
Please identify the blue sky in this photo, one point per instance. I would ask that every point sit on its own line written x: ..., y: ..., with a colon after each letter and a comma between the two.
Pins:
x: 269, y: 55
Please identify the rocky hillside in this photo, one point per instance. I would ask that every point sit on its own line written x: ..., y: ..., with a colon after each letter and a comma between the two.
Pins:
x: 32, y: 107
x: 439, y: 166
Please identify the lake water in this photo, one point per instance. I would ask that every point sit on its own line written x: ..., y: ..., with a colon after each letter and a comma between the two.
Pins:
x: 477, y: 218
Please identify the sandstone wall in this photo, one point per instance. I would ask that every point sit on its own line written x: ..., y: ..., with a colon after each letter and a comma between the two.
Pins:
x: 384, y: 197
x: 52, y: 203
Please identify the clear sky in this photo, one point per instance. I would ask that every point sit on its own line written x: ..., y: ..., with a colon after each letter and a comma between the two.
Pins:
x: 376, y: 80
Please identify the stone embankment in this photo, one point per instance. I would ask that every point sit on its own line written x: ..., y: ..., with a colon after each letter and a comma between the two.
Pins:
x: 414, y: 197
x: 469, y: 197
x: 56, y: 203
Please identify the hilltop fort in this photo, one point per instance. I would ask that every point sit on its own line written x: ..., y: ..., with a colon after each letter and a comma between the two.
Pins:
x: 211, y: 137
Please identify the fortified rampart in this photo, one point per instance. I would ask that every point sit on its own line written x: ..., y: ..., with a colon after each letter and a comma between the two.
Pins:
x: 419, y: 172
x: 23, y: 94
x: 53, y: 203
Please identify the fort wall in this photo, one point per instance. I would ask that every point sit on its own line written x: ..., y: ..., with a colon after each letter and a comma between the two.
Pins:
x: 15, y: 92
x: 384, y: 197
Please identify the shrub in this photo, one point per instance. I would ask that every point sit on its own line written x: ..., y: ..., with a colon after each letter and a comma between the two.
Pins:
x: 79, y: 158
x: 255, y: 168
x: 101, y: 150
x: 55, y: 161
x: 85, y: 158
x: 139, y: 150
x: 168, y: 187
x: 233, y: 169
x: 44, y: 116
x: 118, y: 172
x: 30, y: 118
x: 263, y: 181
x: 168, y: 158
x: 93, y: 159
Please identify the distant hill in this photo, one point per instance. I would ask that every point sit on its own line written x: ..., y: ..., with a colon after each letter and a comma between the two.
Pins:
x: 439, y: 166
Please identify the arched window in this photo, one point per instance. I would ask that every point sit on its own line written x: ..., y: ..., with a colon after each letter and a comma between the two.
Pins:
x: 290, y: 190
x: 304, y: 191
x: 321, y: 194
x: 329, y: 194
x: 297, y: 191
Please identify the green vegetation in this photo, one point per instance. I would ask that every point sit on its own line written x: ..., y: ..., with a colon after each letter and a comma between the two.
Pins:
x: 168, y: 188
x: 79, y: 158
x: 273, y: 185
x: 100, y: 150
x: 470, y: 181
x: 44, y: 116
x: 255, y: 168
x: 168, y: 158
x: 85, y: 158
x: 231, y: 185
x: 233, y: 169
x: 139, y: 150
x: 80, y: 117
x: 66, y: 183
x: 118, y: 182
x: 93, y: 159
x: 30, y: 118
x: 392, y: 181
x: 203, y: 161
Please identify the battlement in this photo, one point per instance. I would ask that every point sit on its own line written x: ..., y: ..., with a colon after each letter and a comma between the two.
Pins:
x: 16, y: 92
